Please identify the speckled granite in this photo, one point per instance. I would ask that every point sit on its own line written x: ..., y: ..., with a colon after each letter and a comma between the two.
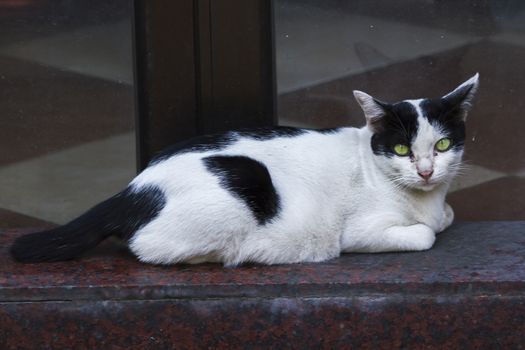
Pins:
x: 467, y: 292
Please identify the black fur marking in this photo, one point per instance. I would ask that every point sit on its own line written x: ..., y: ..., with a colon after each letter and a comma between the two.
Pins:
x: 218, y: 142
x: 327, y: 131
x: 222, y: 140
x: 120, y: 215
x: 248, y: 180
x: 456, y: 99
x: 268, y: 133
x: 448, y: 116
x: 196, y: 144
x: 398, y: 126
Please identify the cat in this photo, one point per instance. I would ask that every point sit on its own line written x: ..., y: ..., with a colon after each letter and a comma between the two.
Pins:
x: 285, y: 195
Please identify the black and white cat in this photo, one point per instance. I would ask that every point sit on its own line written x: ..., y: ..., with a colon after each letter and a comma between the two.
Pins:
x: 285, y: 195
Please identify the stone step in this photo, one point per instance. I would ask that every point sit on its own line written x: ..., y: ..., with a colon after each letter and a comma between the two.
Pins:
x: 466, y: 292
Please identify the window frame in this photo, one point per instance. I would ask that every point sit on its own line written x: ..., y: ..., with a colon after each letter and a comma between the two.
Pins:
x: 201, y: 67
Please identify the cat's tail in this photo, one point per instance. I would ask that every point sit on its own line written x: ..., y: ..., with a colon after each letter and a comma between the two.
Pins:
x: 119, y: 215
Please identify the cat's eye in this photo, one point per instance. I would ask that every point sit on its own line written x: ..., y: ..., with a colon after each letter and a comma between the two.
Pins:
x: 401, y: 150
x: 443, y: 144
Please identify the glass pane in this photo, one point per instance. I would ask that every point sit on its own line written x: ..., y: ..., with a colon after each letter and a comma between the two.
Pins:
x: 66, y: 97
x: 410, y: 49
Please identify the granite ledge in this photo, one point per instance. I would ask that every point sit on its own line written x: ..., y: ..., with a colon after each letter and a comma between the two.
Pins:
x: 471, y: 259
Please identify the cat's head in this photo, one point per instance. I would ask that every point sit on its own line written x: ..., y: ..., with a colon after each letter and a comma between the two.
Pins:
x: 419, y: 143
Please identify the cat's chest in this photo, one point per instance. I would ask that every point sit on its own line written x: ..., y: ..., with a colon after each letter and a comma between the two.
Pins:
x: 427, y: 209
x: 409, y: 208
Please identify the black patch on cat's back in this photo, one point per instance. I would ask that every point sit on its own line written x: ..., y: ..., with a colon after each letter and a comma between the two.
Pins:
x: 248, y: 180
x: 268, y: 133
x: 328, y: 131
x: 195, y: 144
x: 398, y: 126
x: 217, y: 142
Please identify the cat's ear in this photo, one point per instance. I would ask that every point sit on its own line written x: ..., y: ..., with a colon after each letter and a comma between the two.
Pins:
x: 374, y: 110
x: 460, y: 99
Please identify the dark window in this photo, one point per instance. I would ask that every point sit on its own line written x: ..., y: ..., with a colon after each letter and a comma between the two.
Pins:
x: 410, y: 49
x: 66, y: 97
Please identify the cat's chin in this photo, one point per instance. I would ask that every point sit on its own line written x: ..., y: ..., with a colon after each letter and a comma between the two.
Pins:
x: 425, y: 187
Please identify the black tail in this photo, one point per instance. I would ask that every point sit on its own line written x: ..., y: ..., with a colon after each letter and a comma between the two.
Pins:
x: 120, y: 215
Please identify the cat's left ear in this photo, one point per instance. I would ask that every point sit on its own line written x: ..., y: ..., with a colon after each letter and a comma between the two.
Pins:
x: 460, y: 99
x: 374, y: 110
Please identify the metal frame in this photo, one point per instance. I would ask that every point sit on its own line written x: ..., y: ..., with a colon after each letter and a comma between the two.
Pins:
x: 201, y: 66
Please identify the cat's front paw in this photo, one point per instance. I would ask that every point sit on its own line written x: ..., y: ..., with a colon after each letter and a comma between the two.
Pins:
x: 422, y: 239
x: 448, y: 217
x: 415, y: 237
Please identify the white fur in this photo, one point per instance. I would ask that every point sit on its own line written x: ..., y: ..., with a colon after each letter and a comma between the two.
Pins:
x: 333, y: 199
x: 336, y: 196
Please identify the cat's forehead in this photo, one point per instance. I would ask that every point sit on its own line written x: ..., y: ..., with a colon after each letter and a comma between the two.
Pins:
x: 423, y: 107
x: 407, y: 122
x: 412, y: 113
x: 407, y: 108
x: 402, y: 117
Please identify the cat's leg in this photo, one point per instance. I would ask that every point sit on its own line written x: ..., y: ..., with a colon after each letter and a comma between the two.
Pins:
x: 389, y: 239
x: 281, y: 249
x: 291, y: 241
x: 448, y: 217
x: 192, y: 228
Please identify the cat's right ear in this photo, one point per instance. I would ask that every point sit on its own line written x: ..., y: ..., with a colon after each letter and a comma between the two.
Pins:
x: 374, y: 110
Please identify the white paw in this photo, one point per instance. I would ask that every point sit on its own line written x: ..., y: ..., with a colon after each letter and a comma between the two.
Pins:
x: 424, y: 241
x: 408, y: 238
x: 418, y: 237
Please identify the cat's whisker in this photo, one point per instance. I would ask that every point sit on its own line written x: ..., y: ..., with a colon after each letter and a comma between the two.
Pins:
x: 400, y: 182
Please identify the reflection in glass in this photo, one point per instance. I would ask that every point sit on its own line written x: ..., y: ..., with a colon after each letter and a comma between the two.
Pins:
x: 412, y: 49
x: 66, y: 98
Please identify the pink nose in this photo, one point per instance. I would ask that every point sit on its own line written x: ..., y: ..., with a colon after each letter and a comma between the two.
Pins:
x: 425, y: 174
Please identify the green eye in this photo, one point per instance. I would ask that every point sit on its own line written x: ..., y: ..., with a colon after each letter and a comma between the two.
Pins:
x: 401, y: 150
x: 443, y: 144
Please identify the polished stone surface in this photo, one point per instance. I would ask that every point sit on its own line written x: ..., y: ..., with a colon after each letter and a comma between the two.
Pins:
x: 466, y: 292
x: 369, y: 322
x: 468, y: 258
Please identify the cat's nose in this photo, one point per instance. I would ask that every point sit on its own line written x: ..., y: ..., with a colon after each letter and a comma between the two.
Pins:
x: 425, y: 174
